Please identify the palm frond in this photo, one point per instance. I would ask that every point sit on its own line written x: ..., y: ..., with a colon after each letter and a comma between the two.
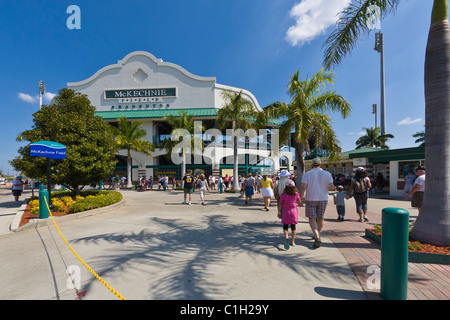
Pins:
x: 350, y: 26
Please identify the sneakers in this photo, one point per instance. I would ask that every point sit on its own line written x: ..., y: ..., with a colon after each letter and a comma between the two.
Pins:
x: 317, y: 243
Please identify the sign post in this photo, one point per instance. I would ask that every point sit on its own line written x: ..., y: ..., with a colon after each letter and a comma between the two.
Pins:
x: 49, y: 150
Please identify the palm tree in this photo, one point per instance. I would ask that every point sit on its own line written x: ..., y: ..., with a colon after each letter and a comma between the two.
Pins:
x: 129, y: 136
x: 420, y: 138
x: 433, y: 223
x: 304, y: 115
x: 183, y: 126
x: 373, y: 138
x: 239, y: 111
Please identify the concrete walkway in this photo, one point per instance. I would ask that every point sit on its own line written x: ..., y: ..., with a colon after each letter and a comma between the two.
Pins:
x: 153, y: 247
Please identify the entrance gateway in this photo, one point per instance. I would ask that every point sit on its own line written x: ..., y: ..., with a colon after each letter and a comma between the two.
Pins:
x: 144, y: 88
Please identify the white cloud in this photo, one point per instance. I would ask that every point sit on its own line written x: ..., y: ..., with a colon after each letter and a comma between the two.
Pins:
x: 408, y: 120
x: 26, y: 97
x: 47, y: 97
x: 313, y: 18
x: 359, y: 133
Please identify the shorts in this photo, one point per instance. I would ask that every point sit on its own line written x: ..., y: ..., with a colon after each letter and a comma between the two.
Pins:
x: 17, y: 193
x: 189, y: 190
x: 417, y: 199
x: 286, y: 226
x: 361, y: 201
x: 315, y: 209
x: 340, y: 210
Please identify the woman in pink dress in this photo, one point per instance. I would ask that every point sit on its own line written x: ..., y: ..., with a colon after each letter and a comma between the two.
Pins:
x: 288, y: 211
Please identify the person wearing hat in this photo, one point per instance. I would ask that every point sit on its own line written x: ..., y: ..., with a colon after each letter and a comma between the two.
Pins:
x: 17, y: 188
x: 288, y: 212
x: 281, y: 183
x: 418, y: 189
x: 316, y: 183
x: 359, y: 189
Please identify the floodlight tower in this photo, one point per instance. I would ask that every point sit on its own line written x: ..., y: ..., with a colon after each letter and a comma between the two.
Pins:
x: 41, y: 92
x: 379, y: 46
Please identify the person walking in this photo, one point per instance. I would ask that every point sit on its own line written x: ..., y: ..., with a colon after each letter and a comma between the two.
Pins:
x: 17, y: 188
x: 410, y: 178
x: 266, y: 190
x: 188, y: 186
x: 316, y: 183
x: 202, y: 186
x: 339, y: 200
x: 359, y: 189
x: 288, y: 212
x: 249, y: 187
x: 418, y: 189
x: 280, y: 184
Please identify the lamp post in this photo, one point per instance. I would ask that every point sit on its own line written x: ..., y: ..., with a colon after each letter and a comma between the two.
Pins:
x: 41, y: 92
x: 379, y: 46
x: 374, y: 111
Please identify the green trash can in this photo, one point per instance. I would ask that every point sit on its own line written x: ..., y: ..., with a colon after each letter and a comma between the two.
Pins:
x: 43, y: 208
x: 394, y: 254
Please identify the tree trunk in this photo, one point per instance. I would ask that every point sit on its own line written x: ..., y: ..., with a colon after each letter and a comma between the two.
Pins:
x: 433, y: 223
x: 129, y: 170
x: 299, y: 151
x: 235, y: 185
x: 183, y: 164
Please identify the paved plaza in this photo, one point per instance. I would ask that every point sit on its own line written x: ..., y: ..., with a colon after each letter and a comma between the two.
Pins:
x: 153, y: 247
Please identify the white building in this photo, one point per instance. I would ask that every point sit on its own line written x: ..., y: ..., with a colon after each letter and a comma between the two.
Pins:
x: 143, y: 88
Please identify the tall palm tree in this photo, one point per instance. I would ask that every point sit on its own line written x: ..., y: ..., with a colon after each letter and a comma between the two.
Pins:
x: 129, y: 136
x: 183, y: 126
x: 433, y: 223
x: 239, y: 111
x: 304, y: 115
x: 373, y: 138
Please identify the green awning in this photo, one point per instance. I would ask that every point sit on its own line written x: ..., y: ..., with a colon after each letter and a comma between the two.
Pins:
x: 161, y: 113
x: 392, y: 154
x: 155, y: 113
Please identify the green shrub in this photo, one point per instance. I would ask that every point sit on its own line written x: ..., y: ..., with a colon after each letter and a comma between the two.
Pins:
x: 95, y: 199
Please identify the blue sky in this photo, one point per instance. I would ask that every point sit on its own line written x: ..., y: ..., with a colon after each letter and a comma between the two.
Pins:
x: 243, y: 43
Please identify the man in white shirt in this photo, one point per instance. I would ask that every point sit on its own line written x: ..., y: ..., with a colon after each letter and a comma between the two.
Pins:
x: 418, y: 189
x: 316, y: 183
x: 17, y: 188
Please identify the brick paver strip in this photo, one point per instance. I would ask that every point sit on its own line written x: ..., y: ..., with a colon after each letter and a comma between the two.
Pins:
x: 425, y: 281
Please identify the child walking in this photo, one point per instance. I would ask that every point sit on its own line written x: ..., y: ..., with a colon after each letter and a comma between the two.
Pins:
x: 202, y: 185
x: 339, y: 201
x: 288, y: 211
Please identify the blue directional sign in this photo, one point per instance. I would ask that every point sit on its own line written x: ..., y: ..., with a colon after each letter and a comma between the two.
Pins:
x: 48, y: 149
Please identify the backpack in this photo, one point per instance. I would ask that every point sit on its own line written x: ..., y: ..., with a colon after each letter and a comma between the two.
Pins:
x: 360, y: 186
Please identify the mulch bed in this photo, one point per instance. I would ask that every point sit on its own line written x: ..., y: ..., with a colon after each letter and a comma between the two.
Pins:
x: 27, y: 215
x: 417, y: 246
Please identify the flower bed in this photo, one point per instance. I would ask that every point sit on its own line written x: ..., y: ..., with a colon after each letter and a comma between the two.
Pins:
x: 419, y: 252
x: 65, y: 203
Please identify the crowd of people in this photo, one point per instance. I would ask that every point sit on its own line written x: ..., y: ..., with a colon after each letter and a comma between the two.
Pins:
x: 313, y: 193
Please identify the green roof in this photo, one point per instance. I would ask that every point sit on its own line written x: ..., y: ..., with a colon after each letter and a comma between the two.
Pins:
x: 155, y: 113
x: 161, y: 113
x: 392, y: 154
